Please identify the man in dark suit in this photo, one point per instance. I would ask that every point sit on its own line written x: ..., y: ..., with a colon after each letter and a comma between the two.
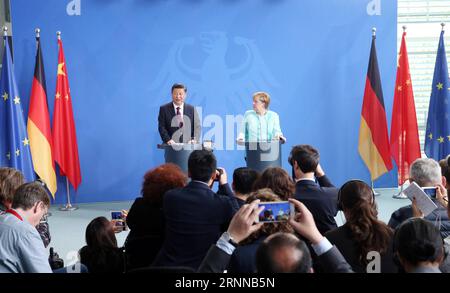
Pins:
x: 319, y: 197
x: 194, y: 215
x: 177, y: 121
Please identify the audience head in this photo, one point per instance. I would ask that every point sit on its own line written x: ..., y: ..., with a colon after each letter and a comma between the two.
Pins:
x: 32, y: 199
x: 10, y: 180
x: 202, y: 165
x: 357, y: 200
x: 100, y: 234
x: 445, y: 170
x: 266, y: 195
x: 426, y: 173
x: 243, y: 180
x: 278, y: 180
x: 304, y: 159
x: 161, y: 179
x: 283, y: 253
x: 418, y: 242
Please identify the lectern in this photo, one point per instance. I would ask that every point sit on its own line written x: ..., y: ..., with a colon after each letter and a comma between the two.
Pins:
x: 263, y: 154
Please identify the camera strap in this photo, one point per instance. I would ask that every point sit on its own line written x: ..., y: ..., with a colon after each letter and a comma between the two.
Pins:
x: 14, y: 213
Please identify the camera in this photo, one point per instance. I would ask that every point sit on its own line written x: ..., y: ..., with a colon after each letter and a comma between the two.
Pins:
x: 54, y: 260
x: 220, y: 171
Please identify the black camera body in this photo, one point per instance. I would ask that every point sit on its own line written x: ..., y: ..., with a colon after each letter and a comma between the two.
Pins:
x: 55, y: 261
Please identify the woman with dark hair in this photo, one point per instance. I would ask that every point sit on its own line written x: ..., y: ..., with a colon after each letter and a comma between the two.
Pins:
x: 363, y: 239
x: 101, y: 254
x: 145, y: 218
x: 243, y: 258
x: 278, y: 180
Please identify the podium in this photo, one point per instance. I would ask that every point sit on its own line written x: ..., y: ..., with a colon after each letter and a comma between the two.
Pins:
x: 178, y: 153
x: 263, y: 154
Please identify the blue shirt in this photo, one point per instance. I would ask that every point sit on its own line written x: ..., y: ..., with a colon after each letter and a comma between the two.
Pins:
x: 22, y: 249
x: 257, y: 127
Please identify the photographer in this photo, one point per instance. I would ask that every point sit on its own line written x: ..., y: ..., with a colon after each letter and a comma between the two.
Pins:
x: 194, y: 215
x: 22, y: 248
x: 426, y: 173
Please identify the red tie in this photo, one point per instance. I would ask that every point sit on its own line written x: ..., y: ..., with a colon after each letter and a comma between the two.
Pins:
x: 180, y: 119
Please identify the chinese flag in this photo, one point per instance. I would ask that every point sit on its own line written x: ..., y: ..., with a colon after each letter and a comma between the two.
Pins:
x: 405, y: 146
x: 65, y: 148
x: 39, y: 126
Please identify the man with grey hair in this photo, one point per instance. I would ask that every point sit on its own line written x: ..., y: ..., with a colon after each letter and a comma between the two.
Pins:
x: 426, y: 173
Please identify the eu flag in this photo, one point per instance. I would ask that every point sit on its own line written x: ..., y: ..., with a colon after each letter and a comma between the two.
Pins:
x: 437, y: 140
x: 14, y: 143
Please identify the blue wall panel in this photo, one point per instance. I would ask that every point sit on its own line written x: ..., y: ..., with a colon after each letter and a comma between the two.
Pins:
x: 123, y: 55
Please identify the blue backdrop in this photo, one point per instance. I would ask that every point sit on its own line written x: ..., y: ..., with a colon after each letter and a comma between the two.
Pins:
x: 122, y: 57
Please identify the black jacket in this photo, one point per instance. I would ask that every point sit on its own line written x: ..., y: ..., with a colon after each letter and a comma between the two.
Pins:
x: 438, y: 216
x: 342, y: 238
x: 146, y: 223
x: 195, y: 217
x: 166, y: 130
x: 320, y: 199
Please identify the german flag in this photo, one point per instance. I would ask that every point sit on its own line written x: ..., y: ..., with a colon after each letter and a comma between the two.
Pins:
x: 38, y: 126
x: 373, y: 143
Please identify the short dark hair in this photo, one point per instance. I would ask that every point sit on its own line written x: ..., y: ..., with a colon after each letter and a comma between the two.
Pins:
x: 10, y: 180
x: 243, y: 179
x: 179, y: 86
x: 266, y: 261
x: 306, y: 156
x: 201, y: 165
x: 417, y: 240
x: 28, y: 194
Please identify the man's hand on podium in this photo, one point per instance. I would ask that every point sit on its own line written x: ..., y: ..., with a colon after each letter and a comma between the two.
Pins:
x: 170, y: 142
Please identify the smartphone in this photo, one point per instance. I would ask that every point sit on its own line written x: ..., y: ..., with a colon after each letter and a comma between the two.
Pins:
x: 119, y: 219
x: 430, y: 191
x: 275, y: 211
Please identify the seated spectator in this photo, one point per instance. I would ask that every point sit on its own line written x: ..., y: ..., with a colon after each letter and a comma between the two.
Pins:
x: 418, y: 246
x: 278, y: 180
x: 22, y: 249
x: 194, y: 215
x: 426, y: 173
x: 362, y: 232
x: 243, y: 180
x: 101, y: 254
x: 243, y: 258
x: 145, y: 218
x: 276, y: 255
x: 320, y: 198
x: 445, y: 171
x: 10, y: 180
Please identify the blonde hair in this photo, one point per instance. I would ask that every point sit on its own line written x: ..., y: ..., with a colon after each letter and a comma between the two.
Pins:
x: 262, y: 97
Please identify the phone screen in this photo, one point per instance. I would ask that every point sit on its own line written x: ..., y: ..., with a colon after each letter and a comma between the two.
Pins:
x: 276, y: 211
x: 119, y: 221
x: 430, y: 191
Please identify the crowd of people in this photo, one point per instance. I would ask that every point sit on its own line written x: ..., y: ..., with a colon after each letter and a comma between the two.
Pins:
x: 180, y: 224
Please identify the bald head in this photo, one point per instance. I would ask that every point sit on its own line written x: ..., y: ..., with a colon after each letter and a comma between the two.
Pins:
x: 283, y: 253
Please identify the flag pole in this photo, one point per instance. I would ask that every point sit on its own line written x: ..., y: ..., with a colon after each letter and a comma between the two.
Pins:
x: 373, y: 189
x: 68, y: 206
